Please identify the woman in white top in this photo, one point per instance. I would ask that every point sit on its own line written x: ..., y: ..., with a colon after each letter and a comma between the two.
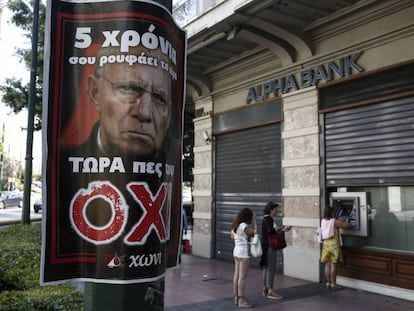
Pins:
x: 240, y: 233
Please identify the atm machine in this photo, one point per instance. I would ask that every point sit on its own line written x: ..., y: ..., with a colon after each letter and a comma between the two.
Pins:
x: 353, y: 207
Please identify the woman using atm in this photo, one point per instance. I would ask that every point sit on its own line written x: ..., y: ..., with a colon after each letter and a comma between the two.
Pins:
x: 331, y: 245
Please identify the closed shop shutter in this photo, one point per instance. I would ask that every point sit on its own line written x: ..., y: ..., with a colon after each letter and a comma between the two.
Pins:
x: 386, y: 85
x: 371, y: 145
x: 248, y: 174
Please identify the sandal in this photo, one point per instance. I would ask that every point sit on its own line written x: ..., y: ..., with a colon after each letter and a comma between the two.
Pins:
x: 244, y: 303
x: 236, y: 301
x: 328, y: 285
x: 334, y: 286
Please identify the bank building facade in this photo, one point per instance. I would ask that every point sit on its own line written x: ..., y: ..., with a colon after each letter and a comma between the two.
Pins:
x: 309, y: 104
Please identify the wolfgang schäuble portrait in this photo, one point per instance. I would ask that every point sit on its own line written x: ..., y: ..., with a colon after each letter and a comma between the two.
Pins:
x: 134, y: 105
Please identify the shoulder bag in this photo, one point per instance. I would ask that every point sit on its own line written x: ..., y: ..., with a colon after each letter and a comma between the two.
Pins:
x: 277, y: 240
x: 256, y: 246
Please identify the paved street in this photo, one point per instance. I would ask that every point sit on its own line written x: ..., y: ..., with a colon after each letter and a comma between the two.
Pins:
x: 14, y: 215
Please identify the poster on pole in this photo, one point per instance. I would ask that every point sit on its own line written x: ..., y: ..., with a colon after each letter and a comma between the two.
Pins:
x: 112, y: 116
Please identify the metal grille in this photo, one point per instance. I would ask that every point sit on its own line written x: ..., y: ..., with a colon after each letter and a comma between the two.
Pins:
x: 371, y: 144
x: 248, y: 174
x: 390, y: 82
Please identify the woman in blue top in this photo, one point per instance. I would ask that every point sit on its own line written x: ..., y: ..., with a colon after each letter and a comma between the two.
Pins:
x: 240, y: 233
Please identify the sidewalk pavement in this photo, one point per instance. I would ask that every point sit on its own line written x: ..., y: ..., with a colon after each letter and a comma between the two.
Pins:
x: 201, y: 284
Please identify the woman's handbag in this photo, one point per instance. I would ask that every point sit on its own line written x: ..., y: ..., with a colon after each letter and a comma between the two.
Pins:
x: 277, y: 241
x: 256, y: 246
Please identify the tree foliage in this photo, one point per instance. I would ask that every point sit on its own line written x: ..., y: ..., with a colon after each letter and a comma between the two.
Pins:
x: 14, y: 92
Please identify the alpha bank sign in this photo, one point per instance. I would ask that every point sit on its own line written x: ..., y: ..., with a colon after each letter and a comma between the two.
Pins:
x: 344, y: 66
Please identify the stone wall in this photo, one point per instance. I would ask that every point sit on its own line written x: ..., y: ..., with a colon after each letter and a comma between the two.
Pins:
x: 300, y: 190
x: 202, y: 214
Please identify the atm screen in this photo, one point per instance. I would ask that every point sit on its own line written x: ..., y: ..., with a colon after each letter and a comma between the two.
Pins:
x: 344, y: 207
x: 351, y: 207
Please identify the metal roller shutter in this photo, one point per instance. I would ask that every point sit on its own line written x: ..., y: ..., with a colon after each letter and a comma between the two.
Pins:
x: 371, y: 144
x: 391, y: 82
x: 248, y: 174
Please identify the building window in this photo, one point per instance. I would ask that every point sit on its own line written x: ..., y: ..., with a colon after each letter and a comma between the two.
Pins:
x: 390, y: 219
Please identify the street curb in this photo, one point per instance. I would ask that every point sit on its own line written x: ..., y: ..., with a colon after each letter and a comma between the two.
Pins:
x: 16, y: 222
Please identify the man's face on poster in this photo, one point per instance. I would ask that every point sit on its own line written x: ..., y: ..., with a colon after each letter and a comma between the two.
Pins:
x: 134, y: 104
